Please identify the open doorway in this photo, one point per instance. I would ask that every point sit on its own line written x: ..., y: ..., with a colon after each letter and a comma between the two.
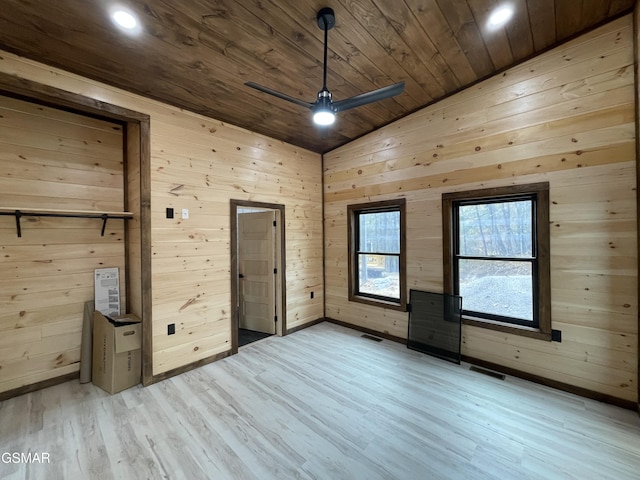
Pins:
x: 257, y: 272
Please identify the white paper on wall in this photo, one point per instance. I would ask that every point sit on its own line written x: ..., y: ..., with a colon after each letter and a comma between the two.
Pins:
x: 107, y: 291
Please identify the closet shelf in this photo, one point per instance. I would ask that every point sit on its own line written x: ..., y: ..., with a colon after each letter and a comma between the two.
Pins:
x: 50, y: 212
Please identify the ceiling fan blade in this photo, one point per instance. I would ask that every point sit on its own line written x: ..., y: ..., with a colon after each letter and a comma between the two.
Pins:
x: 369, y: 97
x: 283, y: 96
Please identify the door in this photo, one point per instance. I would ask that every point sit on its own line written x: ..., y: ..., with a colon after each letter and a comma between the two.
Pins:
x: 256, y: 268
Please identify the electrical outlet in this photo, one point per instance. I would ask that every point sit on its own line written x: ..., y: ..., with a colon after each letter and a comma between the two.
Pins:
x: 169, y: 212
x: 185, y: 213
x: 171, y: 329
x: 312, y: 295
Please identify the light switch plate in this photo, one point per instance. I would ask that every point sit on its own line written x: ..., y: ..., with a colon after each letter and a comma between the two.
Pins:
x: 185, y: 213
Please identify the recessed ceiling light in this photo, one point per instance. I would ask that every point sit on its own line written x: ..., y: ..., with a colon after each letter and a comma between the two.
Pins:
x: 500, y: 16
x: 124, y: 19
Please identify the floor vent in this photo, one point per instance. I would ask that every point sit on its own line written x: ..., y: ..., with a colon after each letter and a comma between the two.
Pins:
x: 499, y: 376
x: 369, y: 337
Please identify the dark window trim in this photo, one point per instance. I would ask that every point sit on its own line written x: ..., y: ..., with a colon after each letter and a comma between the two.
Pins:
x: 373, y: 207
x: 543, y: 284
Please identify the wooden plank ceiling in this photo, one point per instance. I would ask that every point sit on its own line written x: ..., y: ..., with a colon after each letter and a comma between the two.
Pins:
x: 197, y: 54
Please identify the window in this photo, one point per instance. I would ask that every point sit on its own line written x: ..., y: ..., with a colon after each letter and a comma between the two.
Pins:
x: 496, y: 254
x: 377, y: 254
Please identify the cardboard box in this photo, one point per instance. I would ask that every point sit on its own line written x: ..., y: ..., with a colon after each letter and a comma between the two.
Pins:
x: 116, y: 352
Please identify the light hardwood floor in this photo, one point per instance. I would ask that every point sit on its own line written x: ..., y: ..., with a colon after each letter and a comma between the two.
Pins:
x: 323, y: 403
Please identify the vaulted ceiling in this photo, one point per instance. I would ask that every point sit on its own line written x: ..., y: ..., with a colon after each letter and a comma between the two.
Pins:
x: 197, y: 54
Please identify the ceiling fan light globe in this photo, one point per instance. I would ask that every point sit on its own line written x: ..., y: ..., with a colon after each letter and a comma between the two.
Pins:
x: 324, y: 117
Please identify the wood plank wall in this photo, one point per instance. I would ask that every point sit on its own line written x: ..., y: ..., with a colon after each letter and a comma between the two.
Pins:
x: 201, y: 164
x: 566, y: 117
x: 53, y: 159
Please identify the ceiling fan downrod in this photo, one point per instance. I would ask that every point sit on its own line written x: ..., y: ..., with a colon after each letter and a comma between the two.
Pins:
x: 326, y: 21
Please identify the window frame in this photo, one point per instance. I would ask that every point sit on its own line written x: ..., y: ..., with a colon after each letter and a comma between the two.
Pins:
x: 353, y: 213
x: 539, y: 193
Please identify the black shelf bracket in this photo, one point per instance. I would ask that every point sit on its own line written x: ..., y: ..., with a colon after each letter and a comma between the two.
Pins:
x: 18, y: 216
x: 104, y: 223
x: 103, y: 216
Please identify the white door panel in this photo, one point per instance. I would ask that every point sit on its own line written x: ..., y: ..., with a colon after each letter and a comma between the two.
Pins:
x: 256, y: 262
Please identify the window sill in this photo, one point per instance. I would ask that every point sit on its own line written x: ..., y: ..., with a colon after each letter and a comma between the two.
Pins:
x: 507, y: 328
x: 378, y: 303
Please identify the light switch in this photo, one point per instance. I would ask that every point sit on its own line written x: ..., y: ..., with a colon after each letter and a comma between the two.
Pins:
x: 185, y: 213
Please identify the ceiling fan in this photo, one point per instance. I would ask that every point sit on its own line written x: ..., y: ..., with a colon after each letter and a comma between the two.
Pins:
x: 324, y: 108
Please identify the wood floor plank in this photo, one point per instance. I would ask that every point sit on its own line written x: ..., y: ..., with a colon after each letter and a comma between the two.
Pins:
x: 323, y: 403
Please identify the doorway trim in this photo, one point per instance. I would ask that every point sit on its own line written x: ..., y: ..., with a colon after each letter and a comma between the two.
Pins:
x: 281, y: 327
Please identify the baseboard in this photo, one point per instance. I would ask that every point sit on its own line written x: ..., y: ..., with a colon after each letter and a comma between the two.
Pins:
x: 369, y: 331
x: 305, y: 325
x: 16, y: 392
x: 583, y: 392
x: 205, y: 361
x: 177, y: 371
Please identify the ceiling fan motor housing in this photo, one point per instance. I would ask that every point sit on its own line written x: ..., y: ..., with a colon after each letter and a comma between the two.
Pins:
x: 324, y: 100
